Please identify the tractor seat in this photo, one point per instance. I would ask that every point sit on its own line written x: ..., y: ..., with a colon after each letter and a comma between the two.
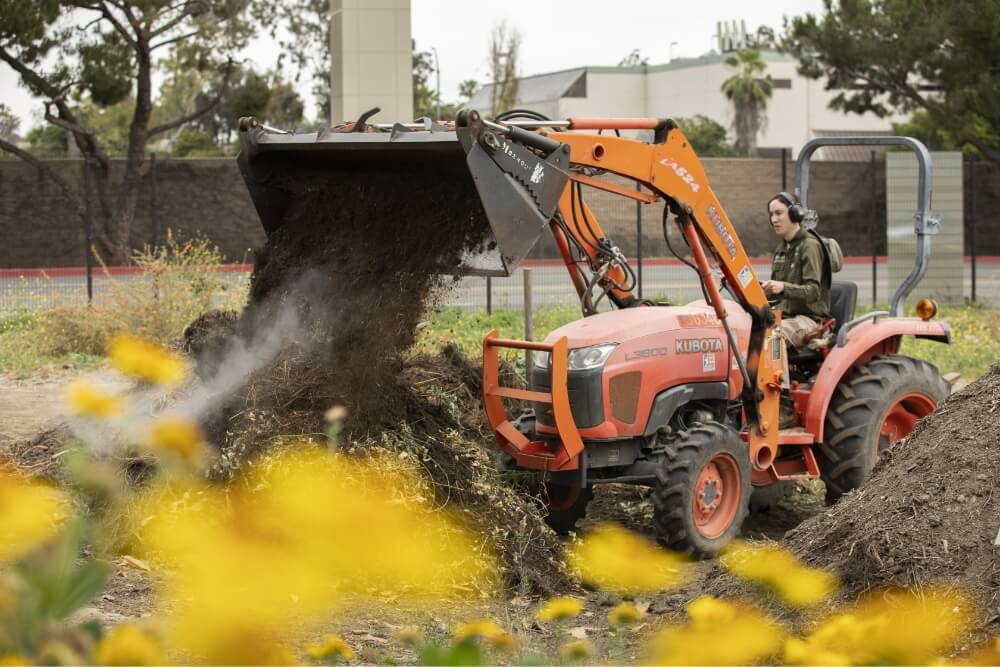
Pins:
x: 843, y: 298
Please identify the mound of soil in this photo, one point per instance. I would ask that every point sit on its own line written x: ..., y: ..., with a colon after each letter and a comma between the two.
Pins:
x: 357, y: 261
x: 931, y: 510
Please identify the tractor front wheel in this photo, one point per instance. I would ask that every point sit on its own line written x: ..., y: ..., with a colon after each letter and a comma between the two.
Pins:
x: 566, y: 505
x: 703, y: 489
x: 874, y: 406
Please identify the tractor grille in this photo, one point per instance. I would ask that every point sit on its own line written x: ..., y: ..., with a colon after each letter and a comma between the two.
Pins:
x: 585, y: 396
x: 624, y: 389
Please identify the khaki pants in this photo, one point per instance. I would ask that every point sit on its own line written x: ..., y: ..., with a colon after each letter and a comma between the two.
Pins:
x: 795, y: 329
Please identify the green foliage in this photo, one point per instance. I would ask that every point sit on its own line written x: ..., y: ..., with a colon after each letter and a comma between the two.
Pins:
x: 9, y: 122
x: 936, y: 138
x: 302, y: 28
x: 47, y: 141
x: 909, y: 55
x: 634, y: 59
x: 748, y: 90
x: 247, y: 96
x: 191, y: 142
x: 110, y: 123
x: 467, y: 89
x: 466, y: 329
x: 284, y: 106
x: 424, y: 98
x: 707, y: 138
x: 106, y: 68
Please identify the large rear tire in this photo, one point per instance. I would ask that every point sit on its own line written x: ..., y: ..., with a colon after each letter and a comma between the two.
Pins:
x: 703, y: 489
x: 566, y: 505
x: 874, y: 406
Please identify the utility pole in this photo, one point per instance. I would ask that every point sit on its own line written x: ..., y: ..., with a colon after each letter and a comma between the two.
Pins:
x: 437, y: 71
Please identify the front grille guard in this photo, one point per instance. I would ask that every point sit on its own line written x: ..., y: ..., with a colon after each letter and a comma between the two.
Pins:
x: 546, y: 455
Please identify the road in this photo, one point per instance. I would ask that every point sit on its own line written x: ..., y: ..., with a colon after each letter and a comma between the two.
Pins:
x: 550, y: 286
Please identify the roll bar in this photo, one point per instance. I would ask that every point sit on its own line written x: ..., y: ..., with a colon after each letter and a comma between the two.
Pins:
x: 926, y: 223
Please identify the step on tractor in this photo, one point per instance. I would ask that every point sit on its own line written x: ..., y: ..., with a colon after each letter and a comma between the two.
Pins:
x: 685, y: 399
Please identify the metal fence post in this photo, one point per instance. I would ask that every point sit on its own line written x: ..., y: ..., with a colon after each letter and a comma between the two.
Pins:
x: 784, y: 170
x: 972, y: 223
x: 638, y: 240
x: 88, y: 232
x: 153, y: 220
x: 874, y: 232
x: 489, y: 295
x: 527, y: 320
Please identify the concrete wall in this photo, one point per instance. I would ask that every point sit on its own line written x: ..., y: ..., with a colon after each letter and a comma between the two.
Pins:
x: 370, y: 60
x: 38, y: 228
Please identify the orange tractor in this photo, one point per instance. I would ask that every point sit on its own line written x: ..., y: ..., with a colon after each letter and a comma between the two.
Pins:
x: 684, y: 399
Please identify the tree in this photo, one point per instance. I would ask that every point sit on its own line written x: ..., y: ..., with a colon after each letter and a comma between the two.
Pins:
x: 936, y: 138
x: 74, y: 53
x: 941, y: 57
x: 467, y: 89
x: 284, y: 106
x: 192, y: 142
x: 47, y: 141
x: 707, y: 137
x: 633, y: 59
x: 505, y: 46
x: 424, y: 99
x: 9, y: 123
x: 302, y: 28
x: 748, y: 90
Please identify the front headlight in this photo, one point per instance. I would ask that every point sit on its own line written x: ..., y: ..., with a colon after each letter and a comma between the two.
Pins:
x: 542, y: 359
x: 587, y: 358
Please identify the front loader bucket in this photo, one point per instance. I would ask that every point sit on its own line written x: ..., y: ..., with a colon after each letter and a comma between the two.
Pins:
x: 491, y: 190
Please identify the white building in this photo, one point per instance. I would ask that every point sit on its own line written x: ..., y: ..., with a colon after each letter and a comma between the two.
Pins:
x: 797, y: 111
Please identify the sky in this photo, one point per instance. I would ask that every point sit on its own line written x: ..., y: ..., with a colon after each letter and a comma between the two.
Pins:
x: 554, y: 36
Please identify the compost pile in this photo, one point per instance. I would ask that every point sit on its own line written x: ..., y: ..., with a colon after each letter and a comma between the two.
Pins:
x: 359, y: 258
x: 930, y: 512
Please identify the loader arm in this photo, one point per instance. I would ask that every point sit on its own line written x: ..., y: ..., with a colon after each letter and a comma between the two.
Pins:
x: 669, y: 168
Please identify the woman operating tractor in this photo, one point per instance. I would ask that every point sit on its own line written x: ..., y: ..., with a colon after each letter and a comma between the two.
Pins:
x: 796, y: 272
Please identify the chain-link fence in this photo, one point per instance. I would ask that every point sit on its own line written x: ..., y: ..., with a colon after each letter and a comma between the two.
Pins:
x: 850, y: 198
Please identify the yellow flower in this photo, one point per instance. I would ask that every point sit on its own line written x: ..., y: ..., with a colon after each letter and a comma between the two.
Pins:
x: 718, y: 633
x: 30, y: 514
x: 625, y: 613
x: 147, y: 361
x: 88, y: 399
x: 796, y: 584
x: 890, y: 627
x: 573, y: 651
x: 13, y: 660
x: 559, y: 608
x: 128, y: 645
x: 178, y: 437
x: 477, y: 628
x: 330, y: 646
x: 616, y: 560
x: 299, y: 531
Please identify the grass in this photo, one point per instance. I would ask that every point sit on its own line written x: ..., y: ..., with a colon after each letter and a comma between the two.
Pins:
x: 179, y: 282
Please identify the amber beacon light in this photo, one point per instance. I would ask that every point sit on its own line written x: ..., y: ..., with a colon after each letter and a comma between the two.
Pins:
x: 927, y: 308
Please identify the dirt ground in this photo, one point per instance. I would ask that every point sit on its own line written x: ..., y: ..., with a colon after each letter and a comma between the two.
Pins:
x: 30, y: 406
x: 34, y: 405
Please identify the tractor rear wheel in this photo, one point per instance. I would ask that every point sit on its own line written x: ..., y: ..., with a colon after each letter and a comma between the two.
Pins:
x: 873, y: 407
x: 702, y: 493
x: 566, y: 505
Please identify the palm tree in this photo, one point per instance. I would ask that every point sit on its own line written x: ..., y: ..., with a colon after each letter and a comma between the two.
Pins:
x: 748, y: 89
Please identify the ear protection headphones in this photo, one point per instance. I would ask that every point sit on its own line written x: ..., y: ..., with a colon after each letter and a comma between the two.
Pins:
x: 796, y: 211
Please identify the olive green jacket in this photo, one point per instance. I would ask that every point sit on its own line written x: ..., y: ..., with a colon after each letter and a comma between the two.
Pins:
x: 799, y: 264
